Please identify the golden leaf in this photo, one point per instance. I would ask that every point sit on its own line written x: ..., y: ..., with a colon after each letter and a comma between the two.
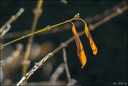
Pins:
x: 93, y: 46
x: 80, y: 48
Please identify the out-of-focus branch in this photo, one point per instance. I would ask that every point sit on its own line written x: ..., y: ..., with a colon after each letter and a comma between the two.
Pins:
x: 64, y: 1
x: 8, y: 62
x: 12, y: 65
x: 70, y: 81
x: 68, y: 26
x: 37, y: 12
x: 54, y: 77
x: 5, y: 31
x: 66, y: 65
x: 12, y: 19
x: 105, y: 13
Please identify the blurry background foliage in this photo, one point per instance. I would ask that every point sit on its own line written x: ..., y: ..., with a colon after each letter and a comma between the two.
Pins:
x: 108, y: 66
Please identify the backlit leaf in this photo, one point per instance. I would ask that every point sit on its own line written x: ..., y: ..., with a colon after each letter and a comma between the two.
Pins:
x: 93, y: 46
x: 80, y: 48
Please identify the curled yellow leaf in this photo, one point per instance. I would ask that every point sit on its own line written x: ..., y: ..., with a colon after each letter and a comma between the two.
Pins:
x: 93, y: 46
x: 80, y: 48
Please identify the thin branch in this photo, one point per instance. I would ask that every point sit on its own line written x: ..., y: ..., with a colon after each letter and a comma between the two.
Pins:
x: 37, y: 12
x: 15, y: 54
x: 9, y: 63
x: 18, y: 62
x: 5, y: 31
x: 45, y: 29
x: 116, y: 13
x: 54, y: 77
x: 105, y: 13
x: 12, y: 19
x: 36, y: 66
x: 1, y: 46
x: 42, y: 30
x: 66, y: 65
x: 70, y: 81
x: 68, y: 26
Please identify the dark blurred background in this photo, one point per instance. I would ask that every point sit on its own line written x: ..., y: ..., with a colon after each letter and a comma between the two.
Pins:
x: 110, y: 63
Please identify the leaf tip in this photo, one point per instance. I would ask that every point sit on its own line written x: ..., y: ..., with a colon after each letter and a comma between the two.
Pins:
x: 95, y: 52
x: 83, y: 66
x: 94, y: 49
x: 83, y: 58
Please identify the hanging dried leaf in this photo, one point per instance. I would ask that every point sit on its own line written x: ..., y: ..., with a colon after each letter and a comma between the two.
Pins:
x: 93, y: 46
x: 80, y: 48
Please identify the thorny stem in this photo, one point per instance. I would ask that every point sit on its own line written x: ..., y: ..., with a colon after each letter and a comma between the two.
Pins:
x: 37, y: 12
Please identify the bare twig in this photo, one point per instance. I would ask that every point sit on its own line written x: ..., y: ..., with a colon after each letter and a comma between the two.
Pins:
x: 5, y: 31
x: 17, y: 62
x: 42, y: 30
x: 54, y: 77
x: 68, y: 26
x: 70, y: 81
x: 16, y: 53
x: 117, y: 12
x: 105, y: 13
x: 37, y: 12
x: 36, y: 66
x: 11, y: 59
x: 13, y: 18
x: 1, y: 46
x: 66, y: 65
x: 45, y: 29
